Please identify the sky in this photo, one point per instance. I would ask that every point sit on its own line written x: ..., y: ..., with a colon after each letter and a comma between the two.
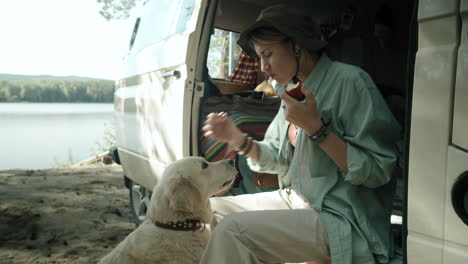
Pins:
x: 61, y: 37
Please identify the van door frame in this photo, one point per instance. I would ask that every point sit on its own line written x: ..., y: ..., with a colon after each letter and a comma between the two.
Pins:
x: 200, y: 72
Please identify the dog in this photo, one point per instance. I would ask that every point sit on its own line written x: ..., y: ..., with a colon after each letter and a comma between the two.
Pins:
x: 179, y: 209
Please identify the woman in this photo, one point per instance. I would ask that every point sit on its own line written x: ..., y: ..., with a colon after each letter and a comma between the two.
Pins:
x: 334, y: 154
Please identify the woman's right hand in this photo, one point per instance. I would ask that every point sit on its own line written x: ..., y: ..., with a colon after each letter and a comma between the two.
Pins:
x: 220, y: 127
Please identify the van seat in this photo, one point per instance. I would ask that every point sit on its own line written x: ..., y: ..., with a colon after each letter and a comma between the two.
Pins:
x: 228, y: 87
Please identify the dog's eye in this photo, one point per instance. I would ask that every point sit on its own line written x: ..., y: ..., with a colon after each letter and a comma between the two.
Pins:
x: 204, y: 165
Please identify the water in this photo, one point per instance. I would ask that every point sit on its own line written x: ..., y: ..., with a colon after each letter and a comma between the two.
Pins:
x: 43, y: 135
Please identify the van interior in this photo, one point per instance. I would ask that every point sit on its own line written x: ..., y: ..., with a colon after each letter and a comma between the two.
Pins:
x: 380, y: 36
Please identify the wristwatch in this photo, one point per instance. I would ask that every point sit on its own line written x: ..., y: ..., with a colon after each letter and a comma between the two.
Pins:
x: 319, y: 136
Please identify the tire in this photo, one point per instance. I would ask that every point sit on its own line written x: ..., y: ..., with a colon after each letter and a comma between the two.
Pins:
x: 139, y: 201
x: 460, y: 197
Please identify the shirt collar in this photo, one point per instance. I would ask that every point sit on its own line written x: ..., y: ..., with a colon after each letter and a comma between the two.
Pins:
x: 316, y: 75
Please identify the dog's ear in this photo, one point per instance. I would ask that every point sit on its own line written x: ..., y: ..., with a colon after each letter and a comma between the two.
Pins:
x: 182, y: 195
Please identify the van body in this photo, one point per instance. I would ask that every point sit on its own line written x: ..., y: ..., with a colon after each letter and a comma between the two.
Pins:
x: 415, y: 51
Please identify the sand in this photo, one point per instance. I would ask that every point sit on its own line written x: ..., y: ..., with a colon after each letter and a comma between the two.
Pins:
x: 74, y: 215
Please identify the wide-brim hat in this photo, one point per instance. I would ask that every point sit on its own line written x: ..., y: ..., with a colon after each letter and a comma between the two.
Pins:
x: 295, y: 22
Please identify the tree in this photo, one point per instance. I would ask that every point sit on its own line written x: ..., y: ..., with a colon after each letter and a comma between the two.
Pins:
x: 218, y: 56
x: 117, y: 9
x: 57, y: 91
x: 4, y: 94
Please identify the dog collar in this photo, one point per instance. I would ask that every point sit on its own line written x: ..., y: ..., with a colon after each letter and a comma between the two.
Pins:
x: 187, y: 225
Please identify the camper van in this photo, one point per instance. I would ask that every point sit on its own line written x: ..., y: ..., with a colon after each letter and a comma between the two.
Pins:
x: 182, y: 63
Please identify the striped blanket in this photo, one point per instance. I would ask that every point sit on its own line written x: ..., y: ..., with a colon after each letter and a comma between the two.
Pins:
x: 251, y: 115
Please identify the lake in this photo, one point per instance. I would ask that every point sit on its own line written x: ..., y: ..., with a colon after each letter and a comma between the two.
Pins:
x: 45, y: 135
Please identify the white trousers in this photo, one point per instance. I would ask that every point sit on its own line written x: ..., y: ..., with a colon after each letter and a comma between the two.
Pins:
x: 269, y: 227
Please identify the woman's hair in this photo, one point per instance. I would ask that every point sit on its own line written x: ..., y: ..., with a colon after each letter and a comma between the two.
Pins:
x: 268, y: 35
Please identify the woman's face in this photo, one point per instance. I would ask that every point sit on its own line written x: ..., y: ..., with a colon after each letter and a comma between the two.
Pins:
x: 277, y: 60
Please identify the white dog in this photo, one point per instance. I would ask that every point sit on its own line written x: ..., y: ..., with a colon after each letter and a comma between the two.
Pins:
x: 174, y: 231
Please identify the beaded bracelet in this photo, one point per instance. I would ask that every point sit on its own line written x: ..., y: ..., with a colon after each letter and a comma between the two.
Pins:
x: 244, y: 144
x: 247, y: 149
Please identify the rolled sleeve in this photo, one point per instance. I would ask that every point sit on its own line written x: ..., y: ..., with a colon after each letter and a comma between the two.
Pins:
x: 371, y: 132
x: 368, y: 169
x: 267, y: 162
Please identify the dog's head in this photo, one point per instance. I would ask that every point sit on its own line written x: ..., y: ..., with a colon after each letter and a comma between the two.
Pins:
x: 192, y: 180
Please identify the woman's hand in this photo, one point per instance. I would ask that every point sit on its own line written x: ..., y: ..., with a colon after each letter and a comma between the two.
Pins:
x: 302, y: 114
x: 220, y: 127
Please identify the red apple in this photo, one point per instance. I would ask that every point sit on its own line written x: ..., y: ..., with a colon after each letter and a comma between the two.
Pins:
x: 296, y: 93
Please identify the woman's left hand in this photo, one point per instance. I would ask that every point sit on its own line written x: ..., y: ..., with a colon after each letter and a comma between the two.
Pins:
x: 302, y: 114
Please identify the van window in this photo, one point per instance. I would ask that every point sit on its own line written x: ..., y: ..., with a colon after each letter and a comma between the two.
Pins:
x: 223, y: 53
x: 162, y: 19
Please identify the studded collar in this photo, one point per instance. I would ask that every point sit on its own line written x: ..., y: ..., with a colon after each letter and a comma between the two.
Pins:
x: 187, y: 225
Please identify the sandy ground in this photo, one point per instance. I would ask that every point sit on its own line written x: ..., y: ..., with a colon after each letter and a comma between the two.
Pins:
x: 62, y: 215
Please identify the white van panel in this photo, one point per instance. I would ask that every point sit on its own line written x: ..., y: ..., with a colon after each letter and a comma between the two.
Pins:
x: 429, y: 139
x: 423, y: 249
x: 161, y: 55
x: 455, y: 254
x: 163, y: 36
x: 143, y: 170
x: 431, y: 127
x: 127, y: 136
x: 460, y: 112
x: 433, y: 8
x: 150, y: 122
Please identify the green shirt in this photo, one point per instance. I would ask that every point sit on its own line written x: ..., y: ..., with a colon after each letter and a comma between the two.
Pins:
x: 356, y: 205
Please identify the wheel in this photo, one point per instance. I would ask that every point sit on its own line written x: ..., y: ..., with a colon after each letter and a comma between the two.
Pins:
x: 139, y: 201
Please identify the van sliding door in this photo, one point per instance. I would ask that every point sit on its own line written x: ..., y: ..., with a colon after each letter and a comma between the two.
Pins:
x: 153, y: 97
x: 438, y: 147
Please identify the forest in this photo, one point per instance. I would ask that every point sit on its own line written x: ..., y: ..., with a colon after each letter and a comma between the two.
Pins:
x: 57, y: 91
